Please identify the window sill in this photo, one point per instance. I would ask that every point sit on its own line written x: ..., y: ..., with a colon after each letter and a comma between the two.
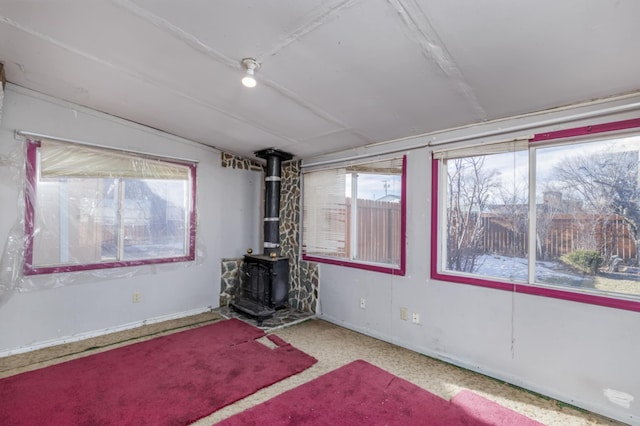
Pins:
x: 539, y: 290
x: 391, y: 270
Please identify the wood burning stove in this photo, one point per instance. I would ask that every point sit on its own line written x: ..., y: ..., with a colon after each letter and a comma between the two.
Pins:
x: 264, y: 285
x: 264, y: 280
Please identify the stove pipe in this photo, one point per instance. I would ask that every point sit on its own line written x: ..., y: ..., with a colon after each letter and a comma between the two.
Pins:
x: 274, y: 159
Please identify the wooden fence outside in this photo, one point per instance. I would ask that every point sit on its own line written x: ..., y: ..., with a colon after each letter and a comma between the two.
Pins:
x: 379, y: 225
x: 609, y: 235
x: 378, y: 231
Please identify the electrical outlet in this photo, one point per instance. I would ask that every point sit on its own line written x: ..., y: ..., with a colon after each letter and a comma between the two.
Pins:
x: 363, y: 303
x: 415, y: 318
x: 136, y: 297
x: 404, y: 315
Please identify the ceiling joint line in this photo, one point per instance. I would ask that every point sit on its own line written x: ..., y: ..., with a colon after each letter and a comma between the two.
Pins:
x: 309, y: 26
x: 201, y: 47
x: 432, y: 48
x: 177, y: 32
x: 319, y: 112
x: 143, y: 78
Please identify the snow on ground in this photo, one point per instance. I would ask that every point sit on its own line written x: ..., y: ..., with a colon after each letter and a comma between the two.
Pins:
x: 557, y: 274
x: 515, y: 268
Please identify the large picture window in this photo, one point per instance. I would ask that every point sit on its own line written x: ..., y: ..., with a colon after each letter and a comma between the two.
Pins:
x: 354, y: 216
x: 92, y: 208
x: 558, y: 215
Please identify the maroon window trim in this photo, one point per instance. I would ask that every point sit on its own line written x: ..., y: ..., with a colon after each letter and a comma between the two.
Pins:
x: 30, y: 194
x: 587, y: 130
x: 29, y: 199
x: 401, y: 269
x: 524, y: 288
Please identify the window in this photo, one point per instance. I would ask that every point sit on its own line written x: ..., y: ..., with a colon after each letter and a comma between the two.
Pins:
x: 93, y: 208
x: 354, y: 216
x: 558, y: 215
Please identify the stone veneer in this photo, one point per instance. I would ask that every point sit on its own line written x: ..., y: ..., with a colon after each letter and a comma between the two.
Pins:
x: 234, y: 162
x: 303, y: 276
x: 229, y: 279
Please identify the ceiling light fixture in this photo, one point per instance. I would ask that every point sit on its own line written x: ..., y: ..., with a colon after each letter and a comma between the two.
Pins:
x: 251, y: 65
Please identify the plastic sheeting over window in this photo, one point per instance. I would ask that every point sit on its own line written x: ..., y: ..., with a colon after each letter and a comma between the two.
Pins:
x: 58, y: 159
x: 94, y: 208
x: 88, y: 212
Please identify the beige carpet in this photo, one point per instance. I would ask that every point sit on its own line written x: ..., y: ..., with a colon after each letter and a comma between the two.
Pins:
x: 333, y: 346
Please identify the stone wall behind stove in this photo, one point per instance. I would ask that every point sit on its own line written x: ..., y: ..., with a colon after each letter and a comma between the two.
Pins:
x: 303, y: 276
x: 229, y: 280
x: 231, y: 161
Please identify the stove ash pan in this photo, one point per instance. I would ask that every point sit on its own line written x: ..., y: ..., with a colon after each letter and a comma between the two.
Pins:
x: 264, y: 286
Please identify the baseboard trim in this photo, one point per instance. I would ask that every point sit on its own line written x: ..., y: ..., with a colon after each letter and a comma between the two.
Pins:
x: 590, y: 406
x: 103, y: 332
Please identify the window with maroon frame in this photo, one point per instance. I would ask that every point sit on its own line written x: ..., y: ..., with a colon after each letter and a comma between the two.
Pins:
x: 557, y: 215
x: 354, y: 215
x: 96, y: 208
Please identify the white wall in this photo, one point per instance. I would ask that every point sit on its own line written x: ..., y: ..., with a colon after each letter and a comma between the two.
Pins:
x: 579, y: 353
x: 228, y: 222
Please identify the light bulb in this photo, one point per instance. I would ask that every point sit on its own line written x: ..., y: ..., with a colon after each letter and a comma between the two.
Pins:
x: 248, y: 80
x: 251, y: 65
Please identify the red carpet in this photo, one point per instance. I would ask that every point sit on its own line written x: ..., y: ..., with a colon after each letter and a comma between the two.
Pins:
x: 489, y: 412
x: 170, y: 380
x: 359, y: 394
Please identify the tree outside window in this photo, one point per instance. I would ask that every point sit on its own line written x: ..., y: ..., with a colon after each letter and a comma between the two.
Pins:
x: 585, y: 234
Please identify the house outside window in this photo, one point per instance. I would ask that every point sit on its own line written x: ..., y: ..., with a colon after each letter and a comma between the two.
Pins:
x: 94, y: 208
x: 558, y: 215
x: 355, y: 216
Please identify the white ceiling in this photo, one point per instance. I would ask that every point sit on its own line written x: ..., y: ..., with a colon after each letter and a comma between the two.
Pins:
x: 335, y: 74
